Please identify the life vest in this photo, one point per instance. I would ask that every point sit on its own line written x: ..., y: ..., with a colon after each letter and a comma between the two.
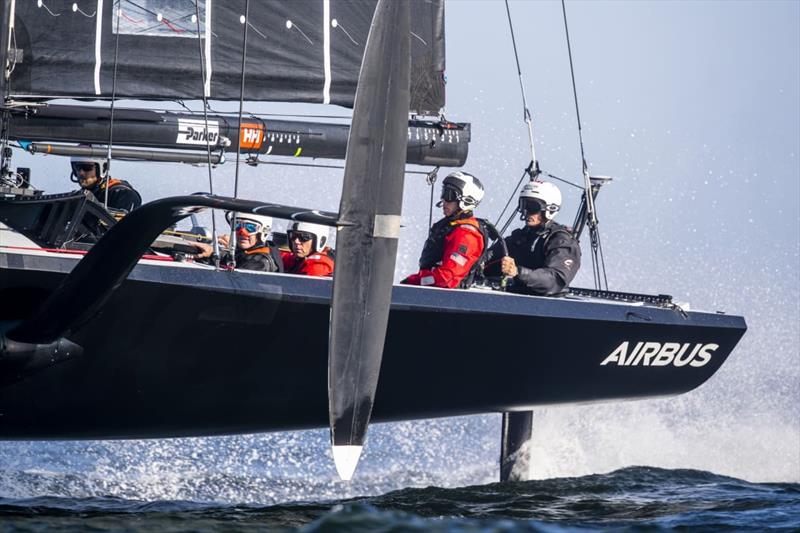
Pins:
x: 271, y: 253
x: 316, y: 264
x: 433, y: 249
x: 528, y: 247
x: 129, y: 197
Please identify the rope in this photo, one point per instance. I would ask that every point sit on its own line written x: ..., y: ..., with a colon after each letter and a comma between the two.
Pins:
x: 6, y: 118
x: 598, y: 263
x: 232, y: 240
x: 111, y: 113
x: 526, y: 112
x: 513, y: 194
x: 431, y: 179
x: 214, y: 242
x: 533, y: 168
x: 256, y: 161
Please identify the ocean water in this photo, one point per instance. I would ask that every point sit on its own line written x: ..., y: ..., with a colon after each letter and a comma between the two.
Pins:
x: 630, y: 499
x: 423, y: 476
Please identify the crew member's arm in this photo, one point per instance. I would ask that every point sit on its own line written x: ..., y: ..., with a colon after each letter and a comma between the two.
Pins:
x: 203, y: 250
x: 561, y: 263
x: 493, y: 259
x: 462, y: 247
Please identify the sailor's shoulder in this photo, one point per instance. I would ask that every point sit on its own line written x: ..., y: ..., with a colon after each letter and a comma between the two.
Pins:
x: 518, y: 236
x: 117, y: 183
x: 561, y: 235
x: 321, y: 257
x: 554, y: 228
x: 466, y: 230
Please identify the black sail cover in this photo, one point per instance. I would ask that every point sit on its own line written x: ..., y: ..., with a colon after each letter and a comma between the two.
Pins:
x: 297, y: 50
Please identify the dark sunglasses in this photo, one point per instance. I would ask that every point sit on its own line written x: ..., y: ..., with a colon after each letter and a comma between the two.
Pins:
x: 86, y: 167
x: 250, y: 227
x: 304, y: 236
x: 450, y: 194
x: 530, y: 205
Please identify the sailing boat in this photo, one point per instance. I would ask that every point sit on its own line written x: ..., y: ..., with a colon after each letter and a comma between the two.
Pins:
x: 114, y: 344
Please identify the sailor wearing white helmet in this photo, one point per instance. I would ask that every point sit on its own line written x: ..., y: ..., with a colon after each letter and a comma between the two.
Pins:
x: 90, y: 173
x: 308, y: 253
x: 254, y: 250
x: 450, y: 255
x: 543, y: 255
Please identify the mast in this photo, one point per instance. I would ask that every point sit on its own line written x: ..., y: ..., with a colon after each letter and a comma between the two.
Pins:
x: 366, y: 249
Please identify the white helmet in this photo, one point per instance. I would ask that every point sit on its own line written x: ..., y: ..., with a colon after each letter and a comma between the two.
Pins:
x: 261, y: 224
x: 464, y: 188
x: 77, y: 160
x: 317, y: 232
x: 540, y: 196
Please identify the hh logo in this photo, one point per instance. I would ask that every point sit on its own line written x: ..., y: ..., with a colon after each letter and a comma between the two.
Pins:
x: 251, y: 136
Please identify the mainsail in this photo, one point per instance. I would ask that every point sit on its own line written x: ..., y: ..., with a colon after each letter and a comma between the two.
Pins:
x: 307, y: 51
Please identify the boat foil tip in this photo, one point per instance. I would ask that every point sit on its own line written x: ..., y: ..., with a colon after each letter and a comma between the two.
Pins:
x: 346, y: 460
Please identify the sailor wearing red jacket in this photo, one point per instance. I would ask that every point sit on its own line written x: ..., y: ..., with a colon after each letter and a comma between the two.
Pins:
x: 455, y: 243
x: 309, y: 253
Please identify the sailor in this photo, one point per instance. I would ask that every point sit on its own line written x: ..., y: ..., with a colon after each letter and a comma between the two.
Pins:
x: 254, y: 250
x: 450, y: 255
x: 91, y: 174
x: 308, y: 252
x: 543, y: 255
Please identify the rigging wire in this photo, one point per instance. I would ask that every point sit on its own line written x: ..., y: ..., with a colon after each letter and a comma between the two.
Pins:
x: 431, y: 179
x: 598, y: 263
x: 214, y: 242
x: 527, y: 113
x: 532, y: 171
x: 7, y: 69
x: 232, y: 240
x: 107, y: 172
x: 255, y: 161
x: 503, y: 212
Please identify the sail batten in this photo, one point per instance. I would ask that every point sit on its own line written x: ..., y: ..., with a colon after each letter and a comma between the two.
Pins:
x: 303, y: 51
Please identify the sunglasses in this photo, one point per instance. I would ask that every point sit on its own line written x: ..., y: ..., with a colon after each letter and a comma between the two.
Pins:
x: 303, y: 236
x: 450, y: 195
x: 530, y: 205
x: 249, y: 227
x: 86, y: 167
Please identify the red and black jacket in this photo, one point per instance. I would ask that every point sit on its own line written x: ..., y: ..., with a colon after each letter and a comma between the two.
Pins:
x: 316, y: 264
x: 451, y: 253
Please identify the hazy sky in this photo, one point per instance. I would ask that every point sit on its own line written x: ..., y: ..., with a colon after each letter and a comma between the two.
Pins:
x: 693, y: 108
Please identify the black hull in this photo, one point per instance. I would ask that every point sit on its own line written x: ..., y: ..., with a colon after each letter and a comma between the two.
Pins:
x: 182, y: 351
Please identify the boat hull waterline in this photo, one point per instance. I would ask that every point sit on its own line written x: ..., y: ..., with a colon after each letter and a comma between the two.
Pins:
x: 190, y: 352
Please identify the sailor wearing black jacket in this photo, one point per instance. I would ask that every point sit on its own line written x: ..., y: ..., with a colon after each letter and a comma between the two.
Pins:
x: 543, y: 255
x: 253, y: 249
x: 88, y: 172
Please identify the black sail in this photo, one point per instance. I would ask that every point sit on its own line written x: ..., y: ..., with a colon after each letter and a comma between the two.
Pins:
x: 367, y: 247
x: 298, y: 51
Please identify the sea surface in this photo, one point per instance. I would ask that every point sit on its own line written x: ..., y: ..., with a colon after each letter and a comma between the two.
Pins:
x: 630, y: 499
x: 423, y: 476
